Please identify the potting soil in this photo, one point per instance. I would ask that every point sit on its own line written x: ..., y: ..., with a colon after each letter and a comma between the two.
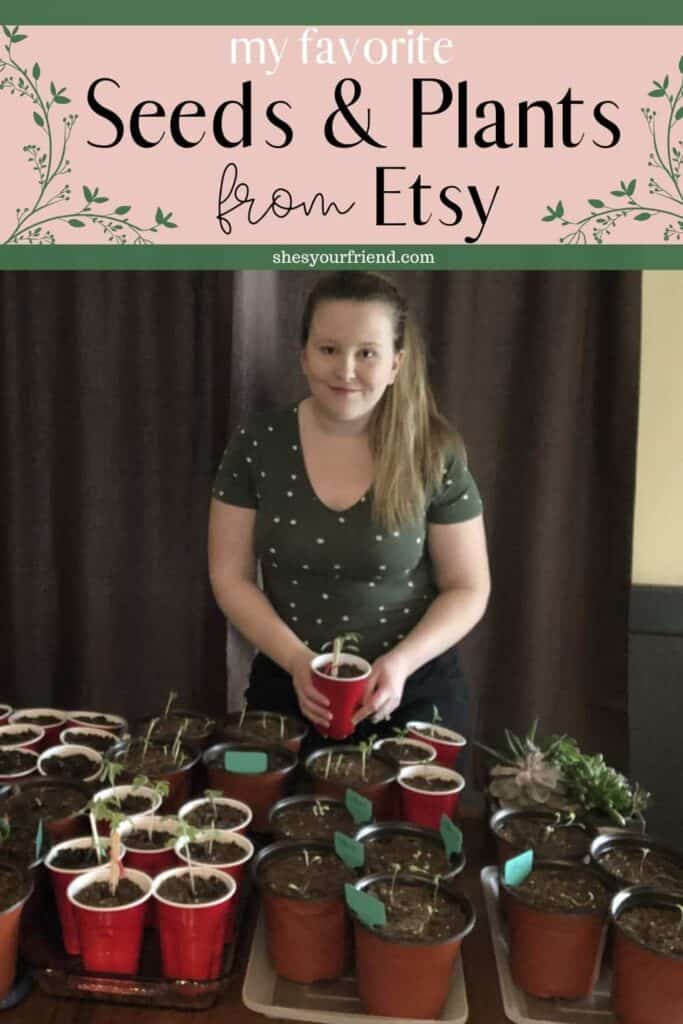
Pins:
x: 74, y: 766
x: 218, y: 852
x: 142, y: 839
x: 14, y: 761
x: 99, y: 894
x: 300, y: 821
x: 418, y: 913
x: 405, y: 753
x: 643, y: 867
x: 223, y: 816
x: 348, y: 767
x: 178, y: 889
x: 547, y: 840
x: 322, y: 875
x: 431, y: 783
x: 659, y: 928
x: 563, y: 890
x: 415, y: 854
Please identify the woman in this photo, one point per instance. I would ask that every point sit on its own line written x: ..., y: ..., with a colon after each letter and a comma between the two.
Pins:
x: 358, y: 505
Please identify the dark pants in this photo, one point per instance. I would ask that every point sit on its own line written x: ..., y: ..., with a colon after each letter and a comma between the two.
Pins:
x: 439, y: 683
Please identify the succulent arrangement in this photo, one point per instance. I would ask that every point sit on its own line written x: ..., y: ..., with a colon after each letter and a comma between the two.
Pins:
x: 556, y: 774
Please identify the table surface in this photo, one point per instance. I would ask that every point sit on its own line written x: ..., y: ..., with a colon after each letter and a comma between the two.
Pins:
x: 483, y: 992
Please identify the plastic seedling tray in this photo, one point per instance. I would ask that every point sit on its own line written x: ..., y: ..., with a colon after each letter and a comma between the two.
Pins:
x: 325, y: 1002
x: 524, y: 1009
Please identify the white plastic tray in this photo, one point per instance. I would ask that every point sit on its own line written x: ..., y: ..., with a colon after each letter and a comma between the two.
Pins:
x: 327, y: 1002
x: 524, y: 1009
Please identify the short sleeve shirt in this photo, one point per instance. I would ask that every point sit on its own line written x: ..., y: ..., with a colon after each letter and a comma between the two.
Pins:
x: 328, y: 572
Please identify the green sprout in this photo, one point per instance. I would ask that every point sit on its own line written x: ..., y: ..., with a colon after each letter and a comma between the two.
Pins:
x: 345, y: 640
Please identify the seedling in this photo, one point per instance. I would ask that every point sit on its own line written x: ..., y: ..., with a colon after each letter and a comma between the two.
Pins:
x: 319, y: 808
x: 365, y: 748
x: 176, y: 749
x: 282, y: 726
x: 189, y: 834
x: 212, y: 795
x: 328, y: 763
x: 109, y: 772
x: 679, y: 908
x: 243, y: 712
x: 646, y: 853
x: 401, y: 733
x: 395, y: 870
x: 345, y: 640
x: 436, y: 717
x: 148, y: 736
x: 172, y: 697
x: 102, y: 810
x: 559, y: 823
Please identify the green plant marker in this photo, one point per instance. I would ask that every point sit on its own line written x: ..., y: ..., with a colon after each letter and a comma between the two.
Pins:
x: 39, y: 838
x: 358, y: 807
x: 451, y: 835
x: 518, y: 868
x: 245, y: 762
x: 369, y: 909
x: 351, y: 852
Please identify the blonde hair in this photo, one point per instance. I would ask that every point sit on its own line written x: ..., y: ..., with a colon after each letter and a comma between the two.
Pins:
x: 409, y: 438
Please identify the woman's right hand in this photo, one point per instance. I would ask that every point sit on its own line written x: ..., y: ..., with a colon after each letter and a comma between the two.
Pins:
x: 314, y: 705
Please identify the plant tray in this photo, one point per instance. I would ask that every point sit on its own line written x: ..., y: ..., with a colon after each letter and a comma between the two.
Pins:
x: 59, y: 974
x: 325, y: 1002
x: 525, y: 1009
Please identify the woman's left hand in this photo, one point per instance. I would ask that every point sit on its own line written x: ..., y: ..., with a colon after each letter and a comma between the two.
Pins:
x: 384, y: 688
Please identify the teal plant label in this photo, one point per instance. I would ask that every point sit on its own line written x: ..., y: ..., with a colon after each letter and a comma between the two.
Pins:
x: 451, y: 835
x: 369, y: 909
x: 39, y: 838
x: 351, y: 852
x: 518, y: 868
x: 245, y: 762
x: 358, y: 807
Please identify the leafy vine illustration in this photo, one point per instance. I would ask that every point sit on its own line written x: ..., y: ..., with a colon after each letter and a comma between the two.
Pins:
x: 35, y: 224
x: 666, y: 157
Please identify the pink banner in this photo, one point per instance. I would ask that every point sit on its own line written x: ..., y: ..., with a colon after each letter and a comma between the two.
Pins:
x: 388, y: 135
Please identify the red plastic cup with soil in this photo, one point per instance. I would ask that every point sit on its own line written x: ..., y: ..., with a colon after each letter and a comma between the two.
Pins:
x: 345, y: 691
x: 229, y: 852
x: 159, y: 764
x: 24, y: 735
x: 64, y: 862
x: 647, y: 963
x: 17, y: 763
x: 88, y: 736
x: 99, y: 720
x: 15, y: 890
x: 557, y: 921
x: 59, y: 804
x: 306, y: 816
x: 5, y: 712
x: 110, y: 925
x: 266, y: 727
x: 217, y: 812
x: 427, y: 792
x: 551, y: 835
x: 404, y: 969
x: 50, y: 720
x: 192, y: 925
x: 308, y: 933
x: 129, y: 800
x: 260, y: 789
x: 71, y: 762
x: 447, y: 743
x: 418, y: 851
x: 149, y: 840
x: 333, y: 770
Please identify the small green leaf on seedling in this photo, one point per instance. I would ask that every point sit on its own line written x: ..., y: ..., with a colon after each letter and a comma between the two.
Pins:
x: 348, y: 850
x: 358, y: 807
x: 451, y: 835
x: 369, y: 909
x: 518, y: 868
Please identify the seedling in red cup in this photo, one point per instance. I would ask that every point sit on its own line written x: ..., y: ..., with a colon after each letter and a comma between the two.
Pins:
x: 427, y: 792
x: 447, y: 743
x: 227, y: 851
x: 64, y: 862
x: 49, y: 719
x: 214, y: 810
x: 342, y: 678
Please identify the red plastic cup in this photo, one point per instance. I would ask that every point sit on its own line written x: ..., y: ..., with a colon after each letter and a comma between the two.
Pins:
x: 61, y: 878
x: 152, y: 862
x: 71, y: 750
x: 115, y: 724
x: 191, y: 805
x: 425, y: 807
x: 32, y: 767
x: 111, y: 940
x: 52, y: 732
x: 8, y: 731
x: 235, y: 869
x: 5, y: 712
x: 121, y: 792
x: 192, y: 937
x: 344, y: 694
x: 448, y: 744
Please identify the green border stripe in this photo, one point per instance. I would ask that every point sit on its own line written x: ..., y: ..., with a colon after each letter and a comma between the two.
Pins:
x: 260, y: 257
x: 353, y: 12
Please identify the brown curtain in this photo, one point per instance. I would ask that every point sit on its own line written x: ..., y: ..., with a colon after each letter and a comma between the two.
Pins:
x: 118, y: 389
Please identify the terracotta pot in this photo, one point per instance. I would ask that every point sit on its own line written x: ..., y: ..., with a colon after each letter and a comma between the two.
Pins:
x: 51, y: 731
x: 426, y: 807
x: 201, y: 736
x: 344, y: 694
x: 307, y: 939
x: 647, y: 986
x: 25, y: 773
x: 10, y: 918
x: 230, y: 728
x: 236, y: 869
x: 179, y: 780
x: 8, y: 731
x: 111, y: 939
x: 448, y: 744
x: 65, y: 750
x: 305, y: 800
x: 115, y: 723
x: 406, y: 978
x: 506, y: 850
x: 602, y: 844
x: 554, y: 954
x: 192, y: 936
x: 186, y: 810
x: 61, y: 878
x: 152, y: 862
x: 385, y: 830
x: 382, y: 795
x: 259, y: 790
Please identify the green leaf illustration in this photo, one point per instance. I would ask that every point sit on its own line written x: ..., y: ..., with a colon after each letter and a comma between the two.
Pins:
x: 656, y: 92
x: 596, y: 202
x: 87, y: 193
x: 642, y: 216
x: 631, y: 187
x: 618, y: 192
x: 62, y: 99
x: 680, y: 65
x: 75, y: 223
x: 53, y: 89
x: 679, y: 113
x: 559, y: 209
x: 101, y: 199
x: 38, y: 119
x: 18, y: 39
x: 665, y: 83
x: 36, y: 72
x: 9, y: 34
x: 159, y: 216
x: 120, y: 210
